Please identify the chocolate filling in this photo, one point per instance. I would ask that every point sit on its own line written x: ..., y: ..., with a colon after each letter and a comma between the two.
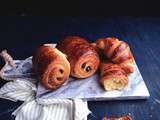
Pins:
x: 59, y: 78
x: 88, y: 69
x: 61, y: 71
x: 83, y: 65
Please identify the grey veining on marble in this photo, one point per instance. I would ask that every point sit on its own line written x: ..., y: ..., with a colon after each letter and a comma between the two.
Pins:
x: 90, y: 89
x: 87, y: 89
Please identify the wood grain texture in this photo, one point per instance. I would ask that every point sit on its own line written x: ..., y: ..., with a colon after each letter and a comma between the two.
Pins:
x: 143, y: 40
x: 142, y: 34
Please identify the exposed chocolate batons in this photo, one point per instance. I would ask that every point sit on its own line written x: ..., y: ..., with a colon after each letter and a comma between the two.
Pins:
x: 51, y: 66
x: 82, y: 56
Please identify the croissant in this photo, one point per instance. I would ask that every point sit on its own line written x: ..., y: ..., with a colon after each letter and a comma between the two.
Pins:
x: 117, y: 51
x: 126, y: 117
x: 52, y: 66
x: 112, y: 76
x: 82, y: 56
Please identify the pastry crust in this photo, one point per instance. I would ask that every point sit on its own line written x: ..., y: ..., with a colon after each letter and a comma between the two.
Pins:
x: 125, y: 117
x: 82, y: 56
x: 117, y: 51
x: 112, y: 76
x: 51, y: 66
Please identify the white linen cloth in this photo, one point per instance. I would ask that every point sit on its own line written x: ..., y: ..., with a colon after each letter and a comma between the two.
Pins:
x: 23, y: 88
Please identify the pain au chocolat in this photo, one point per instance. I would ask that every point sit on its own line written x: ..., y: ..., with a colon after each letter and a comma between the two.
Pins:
x: 51, y: 66
x: 82, y: 56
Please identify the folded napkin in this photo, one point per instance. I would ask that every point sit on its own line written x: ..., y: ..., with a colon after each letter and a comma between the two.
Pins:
x: 21, y: 87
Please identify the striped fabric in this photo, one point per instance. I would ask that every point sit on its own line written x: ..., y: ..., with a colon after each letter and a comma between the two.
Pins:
x: 42, y: 109
x: 21, y: 87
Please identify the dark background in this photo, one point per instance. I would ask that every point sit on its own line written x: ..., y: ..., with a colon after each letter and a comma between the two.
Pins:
x: 21, y: 35
x: 25, y: 25
x: 80, y: 7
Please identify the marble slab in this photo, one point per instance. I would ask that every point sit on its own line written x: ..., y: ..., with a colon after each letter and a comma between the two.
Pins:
x: 89, y: 89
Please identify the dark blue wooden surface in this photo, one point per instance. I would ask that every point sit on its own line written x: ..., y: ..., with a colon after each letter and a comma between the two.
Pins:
x: 21, y: 35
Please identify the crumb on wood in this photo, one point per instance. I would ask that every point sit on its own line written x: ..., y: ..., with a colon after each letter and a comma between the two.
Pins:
x: 150, y: 115
x: 124, y: 117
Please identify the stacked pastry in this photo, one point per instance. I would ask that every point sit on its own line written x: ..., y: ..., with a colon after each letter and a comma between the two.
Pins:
x: 53, y: 68
x: 117, y: 51
x: 113, y: 77
x: 77, y: 57
x: 114, y: 74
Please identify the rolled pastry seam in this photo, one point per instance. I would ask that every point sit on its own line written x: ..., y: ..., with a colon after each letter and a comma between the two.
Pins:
x: 118, y: 52
x: 112, y: 76
x: 94, y: 45
x: 128, y: 66
x: 101, y: 43
x: 99, y: 51
x: 52, y: 66
x: 82, y: 56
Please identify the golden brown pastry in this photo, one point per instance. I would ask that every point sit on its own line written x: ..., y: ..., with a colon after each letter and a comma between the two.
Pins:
x: 117, y: 51
x: 82, y: 56
x: 112, y: 76
x: 125, y: 117
x: 94, y: 45
x: 51, y: 65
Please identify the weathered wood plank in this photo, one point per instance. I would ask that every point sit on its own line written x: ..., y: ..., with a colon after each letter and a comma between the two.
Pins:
x: 21, y: 35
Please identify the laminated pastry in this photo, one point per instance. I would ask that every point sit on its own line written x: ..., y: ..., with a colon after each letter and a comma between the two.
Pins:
x: 51, y: 66
x: 94, y: 45
x: 117, y: 51
x: 82, y: 56
x: 125, y: 117
x: 112, y: 76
